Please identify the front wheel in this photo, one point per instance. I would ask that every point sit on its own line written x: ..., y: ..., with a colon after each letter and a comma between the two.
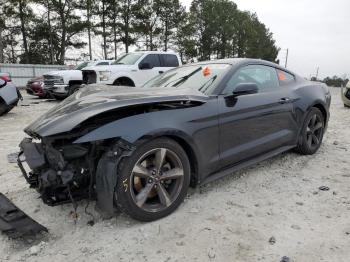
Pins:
x: 312, y: 132
x: 154, y: 180
x: 73, y: 89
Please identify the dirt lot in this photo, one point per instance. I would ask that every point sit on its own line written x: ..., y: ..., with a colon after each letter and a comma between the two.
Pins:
x: 263, y: 213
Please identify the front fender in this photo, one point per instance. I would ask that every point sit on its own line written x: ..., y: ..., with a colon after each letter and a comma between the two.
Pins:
x: 135, y: 127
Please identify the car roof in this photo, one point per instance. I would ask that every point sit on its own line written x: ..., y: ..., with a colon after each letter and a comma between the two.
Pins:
x: 242, y: 61
x: 155, y: 52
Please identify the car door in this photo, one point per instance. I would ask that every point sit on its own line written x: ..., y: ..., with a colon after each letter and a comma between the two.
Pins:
x: 148, y: 68
x: 254, y: 124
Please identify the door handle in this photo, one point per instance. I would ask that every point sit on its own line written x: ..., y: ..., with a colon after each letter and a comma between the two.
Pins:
x: 285, y: 100
x: 160, y: 72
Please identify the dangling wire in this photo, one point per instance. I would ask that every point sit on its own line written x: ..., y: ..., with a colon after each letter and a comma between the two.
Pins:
x: 75, y: 205
x: 91, y: 169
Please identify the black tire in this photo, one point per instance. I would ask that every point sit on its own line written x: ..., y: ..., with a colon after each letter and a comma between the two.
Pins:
x: 4, y: 108
x: 125, y: 191
x: 123, y: 82
x: 73, y: 89
x: 313, y: 131
x: 59, y: 98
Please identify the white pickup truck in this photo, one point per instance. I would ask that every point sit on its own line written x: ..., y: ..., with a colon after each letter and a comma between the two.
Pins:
x: 132, y: 69
x: 63, y: 83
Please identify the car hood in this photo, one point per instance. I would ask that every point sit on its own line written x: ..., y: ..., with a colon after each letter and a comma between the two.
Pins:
x: 96, y: 99
x: 112, y: 68
x: 64, y: 73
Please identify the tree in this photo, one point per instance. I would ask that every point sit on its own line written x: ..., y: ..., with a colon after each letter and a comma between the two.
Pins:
x: 113, y: 21
x: 21, y: 12
x: 89, y: 7
x: 126, y: 26
x: 170, y: 13
x: 101, y: 26
x: 336, y: 81
x: 184, y: 41
x: 221, y: 31
x: 147, y: 22
x: 68, y: 25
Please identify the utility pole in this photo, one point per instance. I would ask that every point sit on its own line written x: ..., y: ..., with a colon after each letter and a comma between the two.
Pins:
x: 318, y: 68
x: 286, y: 63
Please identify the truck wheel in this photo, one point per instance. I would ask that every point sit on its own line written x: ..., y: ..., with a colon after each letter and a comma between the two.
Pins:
x: 73, y: 89
x: 123, y: 81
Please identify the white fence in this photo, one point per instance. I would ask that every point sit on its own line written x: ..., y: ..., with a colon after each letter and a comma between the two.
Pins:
x: 21, y: 73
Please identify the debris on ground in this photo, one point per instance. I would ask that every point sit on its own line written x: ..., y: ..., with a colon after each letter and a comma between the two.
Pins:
x: 272, y: 240
x: 12, y: 158
x: 286, y: 259
x: 323, y: 188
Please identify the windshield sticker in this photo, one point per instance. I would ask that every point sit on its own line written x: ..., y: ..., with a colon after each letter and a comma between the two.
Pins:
x: 206, y: 71
x: 281, y: 76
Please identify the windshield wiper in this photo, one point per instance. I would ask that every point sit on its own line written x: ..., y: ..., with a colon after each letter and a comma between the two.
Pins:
x: 184, y: 78
x: 207, y: 84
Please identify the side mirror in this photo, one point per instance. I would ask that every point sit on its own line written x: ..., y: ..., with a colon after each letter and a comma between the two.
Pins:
x: 245, y: 89
x: 2, y: 82
x: 145, y: 66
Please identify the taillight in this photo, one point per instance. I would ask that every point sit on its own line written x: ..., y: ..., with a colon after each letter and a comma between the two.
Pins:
x: 6, y: 78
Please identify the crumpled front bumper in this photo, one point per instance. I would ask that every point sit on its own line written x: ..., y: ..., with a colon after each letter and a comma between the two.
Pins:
x: 50, y: 173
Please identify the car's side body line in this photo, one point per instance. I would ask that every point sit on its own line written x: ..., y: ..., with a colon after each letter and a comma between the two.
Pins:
x: 245, y: 164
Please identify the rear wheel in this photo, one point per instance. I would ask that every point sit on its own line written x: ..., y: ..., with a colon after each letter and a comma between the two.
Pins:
x: 312, y: 132
x: 154, y: 181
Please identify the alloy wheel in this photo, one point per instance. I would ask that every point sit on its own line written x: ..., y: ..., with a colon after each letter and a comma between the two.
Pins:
x: 314, y: 131
x: 157, y: 179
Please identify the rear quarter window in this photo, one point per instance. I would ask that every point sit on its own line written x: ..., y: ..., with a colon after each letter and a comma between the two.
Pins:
x: 169, y: 61
x: 285, y: 78
x: 102, y: 63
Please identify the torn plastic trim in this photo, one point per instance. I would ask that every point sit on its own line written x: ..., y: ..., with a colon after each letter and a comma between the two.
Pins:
x: 14, y: 222
x: 107, y: 174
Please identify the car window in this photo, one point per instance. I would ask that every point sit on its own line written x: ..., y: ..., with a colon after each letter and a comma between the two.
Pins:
x: 285, y: 78
x: 82, y: 65
x: 169, y: 61
x: 152, y: 59
x: 102, y: 63
x: 128, y: 59
x: 265, y: 77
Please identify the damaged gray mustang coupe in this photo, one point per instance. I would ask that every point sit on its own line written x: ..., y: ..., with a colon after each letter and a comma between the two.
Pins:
x: 139, y: 149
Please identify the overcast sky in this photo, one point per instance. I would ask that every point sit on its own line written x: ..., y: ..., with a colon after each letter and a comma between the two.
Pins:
x: 316, y: 32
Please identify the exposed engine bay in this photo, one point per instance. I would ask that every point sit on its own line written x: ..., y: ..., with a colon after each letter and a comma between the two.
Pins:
x: 64, y: 173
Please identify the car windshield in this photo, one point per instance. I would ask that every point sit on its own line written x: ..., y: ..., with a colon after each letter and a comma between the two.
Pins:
x: 200, y: 77
x: 128, y: 59
x: 81, y: 66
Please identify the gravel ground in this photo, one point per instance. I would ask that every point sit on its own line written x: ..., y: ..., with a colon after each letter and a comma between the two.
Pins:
x: 262, y: 213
